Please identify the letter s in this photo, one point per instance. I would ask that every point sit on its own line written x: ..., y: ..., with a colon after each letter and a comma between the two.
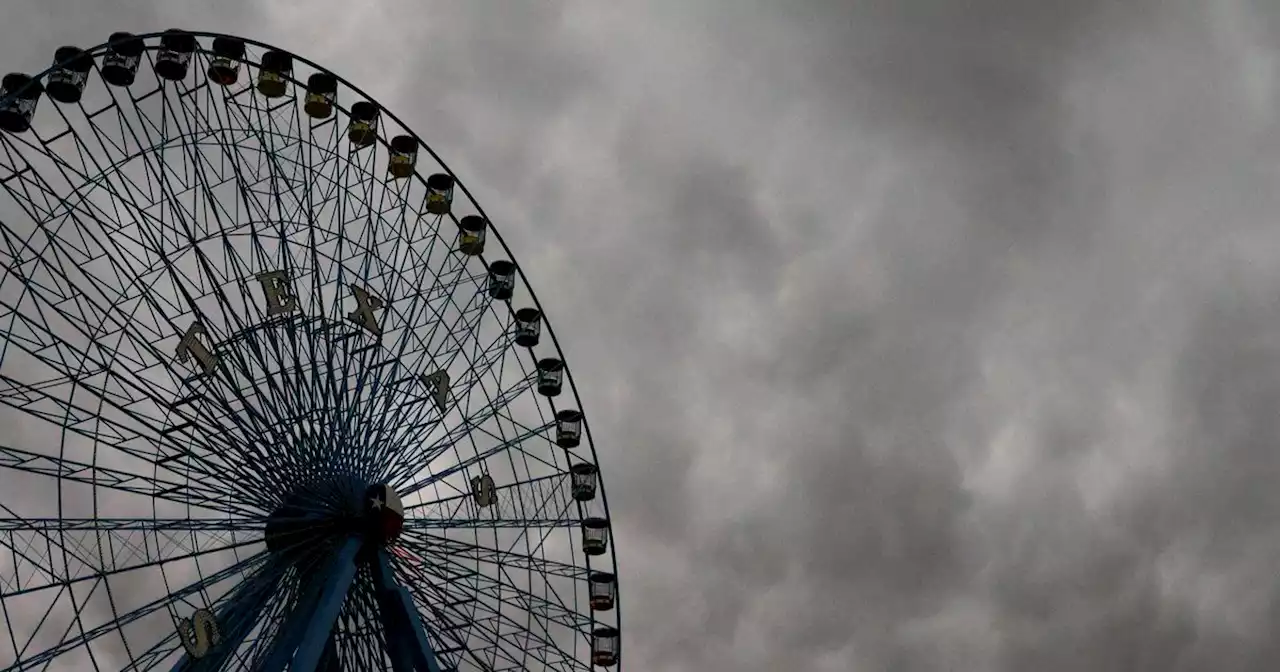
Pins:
x: 199, y: 634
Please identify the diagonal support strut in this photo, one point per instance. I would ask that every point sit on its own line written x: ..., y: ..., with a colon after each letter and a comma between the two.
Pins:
x: 410, y: 650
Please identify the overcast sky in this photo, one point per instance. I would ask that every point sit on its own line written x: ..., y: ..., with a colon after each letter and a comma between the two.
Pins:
x: 914, y: 334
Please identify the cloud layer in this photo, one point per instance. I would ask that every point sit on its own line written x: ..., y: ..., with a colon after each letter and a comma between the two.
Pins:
x: 914, y: 336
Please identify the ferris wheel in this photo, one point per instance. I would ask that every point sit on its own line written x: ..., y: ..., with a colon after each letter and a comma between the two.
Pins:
x: 274, y: 394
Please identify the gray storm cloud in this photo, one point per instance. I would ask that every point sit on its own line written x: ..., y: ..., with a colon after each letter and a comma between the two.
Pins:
x: 914, y: 335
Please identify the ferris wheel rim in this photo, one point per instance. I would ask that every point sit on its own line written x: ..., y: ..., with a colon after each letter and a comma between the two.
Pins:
x: 549, y: 329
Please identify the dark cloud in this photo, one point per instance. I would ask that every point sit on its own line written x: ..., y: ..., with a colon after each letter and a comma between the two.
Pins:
x: 996, y: 244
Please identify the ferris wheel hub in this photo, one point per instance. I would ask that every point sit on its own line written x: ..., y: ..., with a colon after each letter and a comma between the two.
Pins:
x: 384, y: 514
x: 303, y: 521
x: 293, y: 527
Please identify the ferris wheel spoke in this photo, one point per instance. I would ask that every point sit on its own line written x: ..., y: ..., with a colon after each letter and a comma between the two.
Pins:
x: 28, y: 557
x: 424, y: 565
x: 491, y: 523
x: 415, y: 352
x: 433, y: 477
x: 221, y: 448
x: 40, y: 335
x: 469, y: 316
x: 95, y: 213
x: 509, y: 642
x: 462, y: 550
x: 45, y: 657
x: 228, y: 403
x: 189, y: 493
x: 444, y: 293
x: 537, y: 503
x: 417, y: 348
x: 38, y: 338
x: 311, y: 258
x: 367, y: 382
x: 30, y: 186
x: 236, y: 265
x: 416, y: 418
x: 508, y: 497
x: 482, y: 366
x: 501, y: 446
x: 462, y: 431
x: 426, y: 284
x: 215, y: 288
x: 449, y: 569
x: 412, y: 264
x: 482, y: 361
x: 561, y: 509
x: 246, y: 176
x: 139, y: 439
x: 241, y: 173
x: 63, y: 558
x: 328, y: 392
x: 59, y: 525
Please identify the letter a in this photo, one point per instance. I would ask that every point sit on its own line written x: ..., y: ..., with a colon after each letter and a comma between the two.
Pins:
x: 190, y: 346
x: 363, y: 315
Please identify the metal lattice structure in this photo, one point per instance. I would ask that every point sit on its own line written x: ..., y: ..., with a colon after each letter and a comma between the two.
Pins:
x: 273, y: 392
